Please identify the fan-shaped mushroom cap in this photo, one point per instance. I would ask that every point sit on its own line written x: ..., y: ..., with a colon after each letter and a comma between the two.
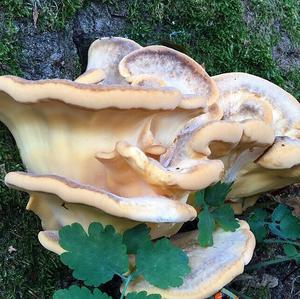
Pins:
x: 91, y: 76
x: 54, y: 121
x: 146, y: 209
x: 187, y: 175
x: 106, y: 53
x: 86, y: 95
x: 56, y: 213
x: 244, y: 96
x: 173, y: 68
x: 283, y: 154
x: 278, y: 167
x: 63, y: 127
x: 211, y: 267
x: 235, y: 143
x: 217, y: 137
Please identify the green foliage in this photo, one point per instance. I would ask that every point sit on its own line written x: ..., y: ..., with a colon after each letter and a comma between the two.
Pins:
x: 136, y: 237
x: 214, y: 212
x: 224, y: 217
x: 52, y: 14
x: 95, y: 257
x: 162, y: 264
x: 281, y: 223
x: 9, y: 50
x: 101, y: 253
x: 75, y: 292
x: 216, y: 194
x: 290, y: 250
x: 206, y: 226
x: 142, y: 295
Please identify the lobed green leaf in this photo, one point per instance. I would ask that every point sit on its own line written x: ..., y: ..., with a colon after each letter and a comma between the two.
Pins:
x: 162, y: 264
x: 279, y: 212
x: 215, y: 195
x: 224, y: 216
x: 199, y: 198
x: 290, y: 227
x: 136, y: 237
x: 142, y: 295
x: 259, y: 230
x: 95, y: 257
x: 75, y: 292
x: 206, y: 226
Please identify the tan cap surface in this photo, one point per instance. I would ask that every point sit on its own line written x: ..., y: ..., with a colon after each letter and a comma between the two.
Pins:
x: 146, y: 209
x: 211, y: 268
x: 284, y: 154
x: 245, y: 96
x: 106, y: 53
x: 175, y: 69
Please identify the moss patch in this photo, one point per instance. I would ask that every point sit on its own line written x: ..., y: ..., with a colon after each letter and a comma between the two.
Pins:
x: 51, y: 14
x: 48, y: 14
x: 216, y: 33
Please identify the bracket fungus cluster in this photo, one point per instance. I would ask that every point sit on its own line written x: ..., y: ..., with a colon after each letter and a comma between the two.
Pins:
x: 131, y: 138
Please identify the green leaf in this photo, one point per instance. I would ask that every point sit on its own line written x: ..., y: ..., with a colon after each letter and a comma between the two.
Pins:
x: 136, y: 237
x: 142, y: 295
x: 206, y: 226
x: 215, y: 195
x: 290, y: 250
x: 162, y: 264
x: 199, y: 198
x: 290, y: 227
x: 95, y: 257
x: 279, y: 212
x: 258, y: 215
x: 224, y: 216
x: 75, y: 292
x: 259, y: 230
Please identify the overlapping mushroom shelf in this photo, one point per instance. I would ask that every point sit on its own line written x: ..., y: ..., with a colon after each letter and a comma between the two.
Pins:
x: 144, y: 127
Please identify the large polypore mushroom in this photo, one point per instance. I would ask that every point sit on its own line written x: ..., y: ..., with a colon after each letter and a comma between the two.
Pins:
x: 105, y: 141
x: 245, y: 97
x: 126, y: 143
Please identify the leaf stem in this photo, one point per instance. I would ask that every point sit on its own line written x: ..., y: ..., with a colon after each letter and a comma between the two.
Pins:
x: 271, y: 241
x: 128, y: 279
x: 268, y: 263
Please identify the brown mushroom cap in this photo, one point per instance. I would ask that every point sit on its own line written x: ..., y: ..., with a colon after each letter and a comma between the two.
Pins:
x: 211, y: 267
x: 106, y: 53
x: 175, y: 69
x: 146, y: 209
x: 245, y: 96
